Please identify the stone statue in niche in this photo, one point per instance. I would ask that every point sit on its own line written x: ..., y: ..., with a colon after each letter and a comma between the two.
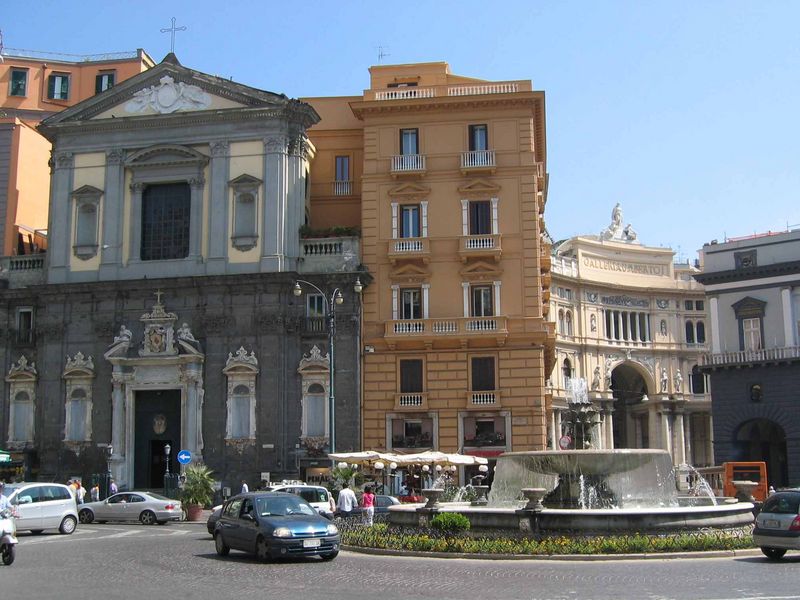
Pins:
x: 593, y: 323
x: 185, y: 333
x: 596, y: 378
x: 124, y: 335
x: 664, y: 381
x: 663, y: 327
x: 678, y: 382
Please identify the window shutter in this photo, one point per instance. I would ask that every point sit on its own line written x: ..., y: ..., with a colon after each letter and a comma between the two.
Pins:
x: 51, y: 86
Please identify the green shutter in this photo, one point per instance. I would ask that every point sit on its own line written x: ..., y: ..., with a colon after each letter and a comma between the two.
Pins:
x: 51, y: 86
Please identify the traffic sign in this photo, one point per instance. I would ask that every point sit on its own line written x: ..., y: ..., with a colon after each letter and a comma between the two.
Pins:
x: 184, y: 457
x: 564, y: 442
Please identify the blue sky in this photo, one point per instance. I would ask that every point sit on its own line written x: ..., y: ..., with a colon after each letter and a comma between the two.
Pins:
x: 684, y: 112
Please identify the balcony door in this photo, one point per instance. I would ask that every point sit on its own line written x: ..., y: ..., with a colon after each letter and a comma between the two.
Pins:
x: 480, y: 218
x: 409, y: 141
x: 411, y: 303
x: 478, y: 138
x: 409, y: 221
x: 482, y: 301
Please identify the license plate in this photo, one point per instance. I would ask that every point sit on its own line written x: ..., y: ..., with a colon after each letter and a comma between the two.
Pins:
x: 315, y: 543
x: 772, y: 523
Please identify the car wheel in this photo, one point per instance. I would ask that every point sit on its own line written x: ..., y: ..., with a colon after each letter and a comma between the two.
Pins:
x: 68, y: 525
x: 330, y: 555
x: 148, y: 517
x: 8, y: 554
x: 773, y: 553
x: 219, y: 545
x: 85, y: 516
x: 262, y: 549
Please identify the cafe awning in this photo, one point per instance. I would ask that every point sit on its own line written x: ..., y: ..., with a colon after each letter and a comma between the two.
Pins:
x: 5, y: 457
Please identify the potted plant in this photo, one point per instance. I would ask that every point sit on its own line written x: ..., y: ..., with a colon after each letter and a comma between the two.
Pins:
x: 198, y: 490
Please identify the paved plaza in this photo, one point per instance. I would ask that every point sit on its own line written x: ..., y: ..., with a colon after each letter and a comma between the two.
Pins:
x: 178, y: 561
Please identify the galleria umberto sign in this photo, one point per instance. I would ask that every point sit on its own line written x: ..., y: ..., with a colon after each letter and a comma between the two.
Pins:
x: 619, y: 266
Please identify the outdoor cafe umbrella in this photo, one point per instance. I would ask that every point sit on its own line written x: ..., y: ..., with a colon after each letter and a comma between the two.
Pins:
x: 5, y: 457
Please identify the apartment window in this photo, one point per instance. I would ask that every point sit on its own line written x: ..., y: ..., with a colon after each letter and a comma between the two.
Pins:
x: 315, y: 305
x: 478, y: 138
x: 700, y: 329
x: 482, y: 377
x: 411, y: 303
x: 568, y: 323
x: 25, y: 325
x: 78, y: 415
x: 411, y: 379
x: 688, y: 304
x: 402, y: 84
x: 689, y: 332
x: 697, y: 381
x: 314, y: 424
x: 165, y: 221
x: 412, y: 433
x: 484, y: 431
x: 699, y: 305
x: 21, y: 418
x: 409, y: 221
x: 18, y: 83
x: 342, y: 168
x: 409, y: 141
x: 752, y: 333
x: 482, y: 301
x: 480, y: 218
x: 239, y: 425
x: 58, y: 86
x: 104, y: 81
x: 565, y: 293
x: 566, y: 369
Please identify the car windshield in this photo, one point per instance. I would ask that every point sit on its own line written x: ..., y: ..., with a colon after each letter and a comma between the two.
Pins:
x: 290, y: 505
x: 784, y: 504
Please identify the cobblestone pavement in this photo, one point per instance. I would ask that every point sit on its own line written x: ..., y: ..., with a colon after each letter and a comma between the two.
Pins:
x: 178, y: 561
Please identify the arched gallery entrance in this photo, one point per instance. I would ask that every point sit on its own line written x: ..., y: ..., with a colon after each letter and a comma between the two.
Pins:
x: 630, y: 426
x: 763, y: 440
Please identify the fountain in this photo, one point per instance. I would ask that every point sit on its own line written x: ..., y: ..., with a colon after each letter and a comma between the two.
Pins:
x: 585, y: 491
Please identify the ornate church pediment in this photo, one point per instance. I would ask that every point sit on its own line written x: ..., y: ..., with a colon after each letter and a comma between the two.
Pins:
x: 22, y: 370
x: 241, y: 362
x: 245, y: 181
x: 165, y: 155
x: 410, y: 273
x: 480, y: 271
x: 159, y: 331
x: 479, y: 189
x: 749, y: 307
x: 314, y: 362
x: 78, y: 367
x: 410, y: 191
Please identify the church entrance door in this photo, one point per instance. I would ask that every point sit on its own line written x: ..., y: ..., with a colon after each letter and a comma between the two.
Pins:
x: 158, y: 423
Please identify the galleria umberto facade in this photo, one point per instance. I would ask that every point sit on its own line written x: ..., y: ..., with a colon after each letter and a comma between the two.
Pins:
x: 632, y: 324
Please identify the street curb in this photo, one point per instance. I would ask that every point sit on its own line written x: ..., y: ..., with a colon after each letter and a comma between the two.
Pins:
x: 562, y: 557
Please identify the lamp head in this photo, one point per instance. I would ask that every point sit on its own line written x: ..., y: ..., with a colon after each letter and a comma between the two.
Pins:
x: 357, y: 286
x: 339, y: 298
x: 342, y: 465
x: 393, y: 465
x: 297, y: 290
x: 167, y: 449
x: 379, y: 466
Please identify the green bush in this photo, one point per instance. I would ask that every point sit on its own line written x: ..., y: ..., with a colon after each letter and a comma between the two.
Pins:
x: 450, y: 522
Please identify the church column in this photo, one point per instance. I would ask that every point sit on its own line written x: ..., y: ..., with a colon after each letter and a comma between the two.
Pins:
x: 118, y: 424
x: 197, y: 185
x: 666, y: 442
x: 275, y: 192
x: 713, y: 305
x: 710, y: 441
x: 135, y: 242
x: 647, y: 328
x: 620, y: 329
x: 219, y: 207
x: 295, y: 201
x: 609, y: 425
x: 193, y: 409
x: 687, y: 436
x: 679, y: 454
x: 58, y: 254
x: 111, y: 234
x: 553, y: 431
x: 788, y: 329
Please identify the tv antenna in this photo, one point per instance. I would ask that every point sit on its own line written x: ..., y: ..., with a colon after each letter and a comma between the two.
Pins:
x: 1, y: 46
x: 382, y: 53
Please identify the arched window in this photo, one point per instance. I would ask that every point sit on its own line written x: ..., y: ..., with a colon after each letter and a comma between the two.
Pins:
x: 77, y: 421
x: 568, y: 323
x: 314, y: 411
x: 22, y: 418
x: 240, y: 412
x: 314, y: 370
x: 241, y: 369
x: 561, y: 321
x: 567, y: 370
x: 698, y: 381
x: 701, y: 332
x: 689, y: 332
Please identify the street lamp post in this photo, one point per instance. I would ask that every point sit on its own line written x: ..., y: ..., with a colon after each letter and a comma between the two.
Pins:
x: 331, y: 302
x: 167, y: 486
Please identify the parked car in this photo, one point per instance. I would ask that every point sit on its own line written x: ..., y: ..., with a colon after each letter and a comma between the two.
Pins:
x: 316, y: 495
x: 273, y: 525
x: 778, y: 524
x: 41, y: 506
x: 382, y: 504
x: 211, y: 523
x: 145, y: 507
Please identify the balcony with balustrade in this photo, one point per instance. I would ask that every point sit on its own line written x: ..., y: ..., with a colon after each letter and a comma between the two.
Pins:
x: 22, y: 271
x: 483, y: 400
x: 411, y: 401
x: 408, y: 164
x: 478, y: 161
x: 335, y: 189
x: 480, y: 246
x: 448, y: 91
x: 460, y: 329
x: 751, y: 358
x: 409, y: 249
x: 329, y: 255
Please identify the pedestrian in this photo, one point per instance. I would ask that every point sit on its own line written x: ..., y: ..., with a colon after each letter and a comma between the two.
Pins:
x: 245, y: 489
x: 112, y: 488
x: 347, y: 501
x: 80, y: 492
x: 368, y: 503
x: 95, y: 493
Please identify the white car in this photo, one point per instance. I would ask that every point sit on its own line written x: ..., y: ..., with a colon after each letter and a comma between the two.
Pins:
x: 146, y: 507
x: 41, y: 506
x: 316, y: 495
x: 778, y: 524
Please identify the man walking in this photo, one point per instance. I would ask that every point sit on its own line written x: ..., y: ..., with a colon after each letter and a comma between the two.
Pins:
x: 245, y: 488
x: 347, y: 501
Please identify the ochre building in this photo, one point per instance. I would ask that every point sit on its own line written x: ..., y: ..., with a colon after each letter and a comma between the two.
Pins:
x: 446, y: 176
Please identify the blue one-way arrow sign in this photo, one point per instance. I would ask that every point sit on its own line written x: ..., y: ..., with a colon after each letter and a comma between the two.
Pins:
x: 184, y: 457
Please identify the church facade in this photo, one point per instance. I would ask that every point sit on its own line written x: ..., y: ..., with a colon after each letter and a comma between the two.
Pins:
x: 630, y: 335
x: 167, y: 313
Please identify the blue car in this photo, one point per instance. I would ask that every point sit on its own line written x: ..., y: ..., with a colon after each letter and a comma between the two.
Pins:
x: 274, y: 525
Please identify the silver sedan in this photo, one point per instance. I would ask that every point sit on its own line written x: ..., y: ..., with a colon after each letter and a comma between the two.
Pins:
x: 145, y: 507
